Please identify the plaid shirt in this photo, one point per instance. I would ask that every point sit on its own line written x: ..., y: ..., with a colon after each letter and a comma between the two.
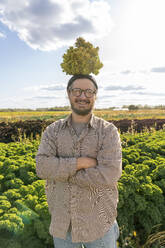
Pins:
x: 86, y: 198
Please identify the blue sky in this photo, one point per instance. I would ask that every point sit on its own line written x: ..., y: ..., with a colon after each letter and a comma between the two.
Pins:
x: 34, y: 35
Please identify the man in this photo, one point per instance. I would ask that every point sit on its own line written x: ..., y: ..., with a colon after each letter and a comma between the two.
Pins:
x: 80, y: 159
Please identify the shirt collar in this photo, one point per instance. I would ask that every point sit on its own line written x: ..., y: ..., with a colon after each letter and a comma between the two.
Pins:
x: 92, y: 122
x: 67, y: 121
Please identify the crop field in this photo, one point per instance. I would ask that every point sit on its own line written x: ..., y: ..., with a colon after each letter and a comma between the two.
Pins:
x: 24, y: 216
x: 105, y: 114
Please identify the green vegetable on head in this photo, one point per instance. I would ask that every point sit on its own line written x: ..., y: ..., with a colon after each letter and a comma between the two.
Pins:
x: 83, y: 59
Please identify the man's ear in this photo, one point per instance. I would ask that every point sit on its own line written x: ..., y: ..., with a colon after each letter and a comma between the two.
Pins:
x: 96, y: 97
x: 68, y: 93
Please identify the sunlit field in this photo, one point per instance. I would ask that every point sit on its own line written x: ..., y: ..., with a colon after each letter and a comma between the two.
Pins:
x: 105, y: 114
x: 32, y: 115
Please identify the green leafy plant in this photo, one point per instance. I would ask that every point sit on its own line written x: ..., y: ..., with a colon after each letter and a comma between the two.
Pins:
x: 142, y: 186
x: 24, y: 216
x: 83, y: 59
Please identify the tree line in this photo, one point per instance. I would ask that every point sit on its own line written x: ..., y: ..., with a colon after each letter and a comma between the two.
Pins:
x: 67, y: 108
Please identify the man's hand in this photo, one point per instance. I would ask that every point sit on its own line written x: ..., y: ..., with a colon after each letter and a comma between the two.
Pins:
x: 85, y: 162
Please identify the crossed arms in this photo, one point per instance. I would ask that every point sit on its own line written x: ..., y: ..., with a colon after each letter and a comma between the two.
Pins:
x: 85, y: 171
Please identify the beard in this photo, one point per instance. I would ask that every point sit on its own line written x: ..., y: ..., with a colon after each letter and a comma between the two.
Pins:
x: 82, y: 112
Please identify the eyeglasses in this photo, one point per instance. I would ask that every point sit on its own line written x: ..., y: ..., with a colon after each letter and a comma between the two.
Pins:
x: 77, y: 92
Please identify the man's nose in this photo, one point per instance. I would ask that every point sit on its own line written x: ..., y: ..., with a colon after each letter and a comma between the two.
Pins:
x: 83, y: 95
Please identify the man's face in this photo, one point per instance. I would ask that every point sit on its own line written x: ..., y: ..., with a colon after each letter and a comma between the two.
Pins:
x: 82, y: 105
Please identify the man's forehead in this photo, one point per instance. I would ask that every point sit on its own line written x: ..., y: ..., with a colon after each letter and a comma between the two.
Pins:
x: 83, y: 83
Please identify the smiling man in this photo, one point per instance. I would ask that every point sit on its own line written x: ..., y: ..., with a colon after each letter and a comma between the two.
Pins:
x: 80, y: 159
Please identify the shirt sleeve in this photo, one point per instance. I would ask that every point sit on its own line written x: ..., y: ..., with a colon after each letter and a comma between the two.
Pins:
x: 109, y: 167
x: 48, y: 164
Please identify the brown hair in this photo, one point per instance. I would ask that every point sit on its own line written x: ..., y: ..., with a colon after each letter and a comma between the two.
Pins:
x: 74, y: 77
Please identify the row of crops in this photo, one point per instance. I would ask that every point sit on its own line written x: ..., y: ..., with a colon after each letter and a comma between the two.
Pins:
x: 106, y: 114
x: 13, y: 131
x: 24, y: 217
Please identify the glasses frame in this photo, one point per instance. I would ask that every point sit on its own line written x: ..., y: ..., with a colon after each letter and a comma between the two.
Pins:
x: 93, y: 92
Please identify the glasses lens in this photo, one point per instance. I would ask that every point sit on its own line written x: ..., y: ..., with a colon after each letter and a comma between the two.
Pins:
x: 89, y: 93
x: 76, y: 92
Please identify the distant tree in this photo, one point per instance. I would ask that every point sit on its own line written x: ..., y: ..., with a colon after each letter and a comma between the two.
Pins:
x: 124, y: 106
x: 83, y: 59
x: 146, y: 106
x: 160, y: 107
x: 133, y: 107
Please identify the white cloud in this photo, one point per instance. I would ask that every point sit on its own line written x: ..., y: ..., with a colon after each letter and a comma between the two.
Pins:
x: 50, y: 24
x: 49, y: 87
x: 123, y: 88
x: 140, y: 34
x: 2, y: 35
x: 45, y: 95
x: 158, y: 69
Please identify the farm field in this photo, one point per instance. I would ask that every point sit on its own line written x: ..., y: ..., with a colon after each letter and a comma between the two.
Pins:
x: 24, y: 217
x: 105, y: 114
